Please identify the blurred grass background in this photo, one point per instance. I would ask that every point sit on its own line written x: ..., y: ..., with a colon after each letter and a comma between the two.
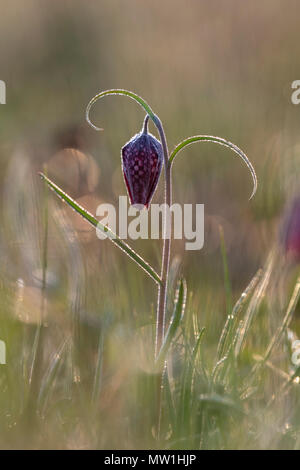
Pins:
x: 220, y: 68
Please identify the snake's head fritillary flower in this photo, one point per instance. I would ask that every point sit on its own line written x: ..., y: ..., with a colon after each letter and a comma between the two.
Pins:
x: 142, y: 159
x: 291, y: 236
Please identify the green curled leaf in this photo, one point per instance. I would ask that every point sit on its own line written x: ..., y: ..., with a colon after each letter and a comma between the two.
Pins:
x: 220, y: 141
x: 130, y: 94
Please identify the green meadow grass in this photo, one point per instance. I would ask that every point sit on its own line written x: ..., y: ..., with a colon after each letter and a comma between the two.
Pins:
x: 83, y: 376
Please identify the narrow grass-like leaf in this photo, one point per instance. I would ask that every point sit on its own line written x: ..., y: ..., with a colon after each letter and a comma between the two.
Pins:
x: 50, y: 376
x: 285, y: 322
x: 227, y: 282
x: 186, y: 405
x: 284, y: 389
x: 201, y: 360
x: 177, y: 316
x: 279, y: 372
x: 169, y: 398
x: 36, y: 362
x: 131, y: 95
x: 254, y: 305
x: 98, y: 370
x: 197, y: 346
x: 275, y: 341
x: 34, y: 353
x: 220, y: 141
x: 109, y: 233
x: 226, y: 334
x: 217, y: 367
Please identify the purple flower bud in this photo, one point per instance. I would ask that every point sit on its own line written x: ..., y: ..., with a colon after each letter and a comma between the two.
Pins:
x: 292, y: 231
x: 142, y: 159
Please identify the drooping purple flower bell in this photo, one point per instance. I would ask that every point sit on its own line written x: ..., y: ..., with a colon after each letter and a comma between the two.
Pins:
x: 142, y: 159
x: 291, y: 233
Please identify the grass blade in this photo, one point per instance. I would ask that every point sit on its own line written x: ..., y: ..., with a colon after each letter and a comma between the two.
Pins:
x: 50, y: 376
x: 98, y: 371
x: 285, y: 322
x: 180, y: 301
x: 110, y: 234
x: 227, y: 331
x: 187, y: 403
x: 227, y: 282
x: 254, y: 305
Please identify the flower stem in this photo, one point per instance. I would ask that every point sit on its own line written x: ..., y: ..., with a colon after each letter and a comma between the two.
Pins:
x: 162, y: 290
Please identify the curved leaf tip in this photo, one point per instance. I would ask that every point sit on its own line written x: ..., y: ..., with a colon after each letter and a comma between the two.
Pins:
x: 220, y: 141
x: 130, y: 94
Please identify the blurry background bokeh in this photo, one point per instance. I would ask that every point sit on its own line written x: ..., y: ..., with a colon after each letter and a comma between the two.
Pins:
x: 222, y: 68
